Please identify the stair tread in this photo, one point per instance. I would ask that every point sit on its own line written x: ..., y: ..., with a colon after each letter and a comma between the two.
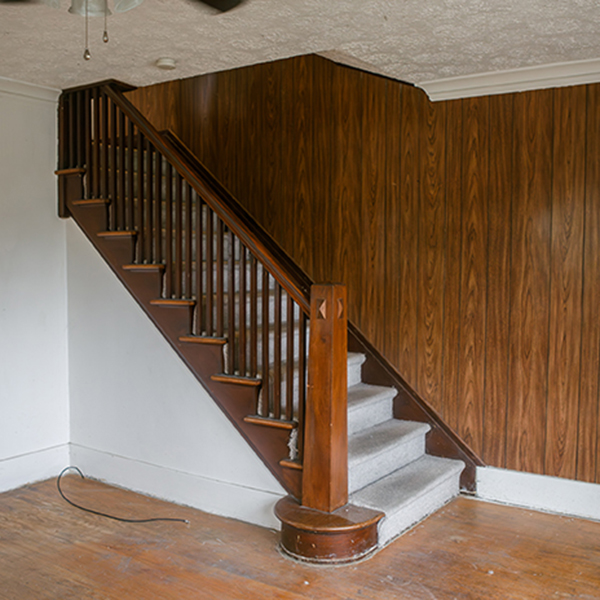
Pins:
x: 373, y: 441
x: 402, y: 487
x: 364, y: 393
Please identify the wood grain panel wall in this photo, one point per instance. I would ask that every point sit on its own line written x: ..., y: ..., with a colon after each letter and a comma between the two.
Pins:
x: 467, y: 232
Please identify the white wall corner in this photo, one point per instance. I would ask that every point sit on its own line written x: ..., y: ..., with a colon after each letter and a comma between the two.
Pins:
x: 28, y: 90
x: 17, y: 471
x: 232, y: 500
x: 515, y: 80
x: 539, y: 492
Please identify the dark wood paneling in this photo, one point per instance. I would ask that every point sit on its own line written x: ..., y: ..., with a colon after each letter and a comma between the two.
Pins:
x: 564, y: 363
x: 530, y: 281
x: 466, y: 232
x: 473, y: 281
x: 588, y: 452
x: 499, y: 207
x: 431, y: 251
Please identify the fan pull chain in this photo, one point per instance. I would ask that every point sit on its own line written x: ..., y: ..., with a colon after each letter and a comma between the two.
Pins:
x: 86, y: 53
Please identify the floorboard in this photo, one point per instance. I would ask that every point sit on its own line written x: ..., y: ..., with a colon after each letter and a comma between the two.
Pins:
x: 468, y: 550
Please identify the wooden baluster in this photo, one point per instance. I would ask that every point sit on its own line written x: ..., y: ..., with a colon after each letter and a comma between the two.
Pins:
x: 220, y: 283
x: 63, y: 137
x: 178, y: 235
x: 130, y: 175
x: 199, y: 321
x: 289, y: 375
x: 140, y: 198
x: 158, y: 208
x: 277, y: 352
x: 103, y: 141
x: 70, y: 119
x: 231, y: 333
x: 210, y: 270
x: 242, y: 350
x: 96, y: 142
x: 253, y: 316
x: 113, y: 207
x: 188, y: 241
x: 149, y: 194
x: 169, y: 231
x: 325, y: 465
x: 89, y: 168
x: 122, y: 148
x: 301, y: 381
x: 265, y: 344
x: 81, y: 127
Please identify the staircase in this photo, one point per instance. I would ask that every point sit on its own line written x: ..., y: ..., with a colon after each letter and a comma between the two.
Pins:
x: 268, y: 345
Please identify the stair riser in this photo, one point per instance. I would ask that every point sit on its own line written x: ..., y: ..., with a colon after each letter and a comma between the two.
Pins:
x: 395, y: 457
x: 363, y: 417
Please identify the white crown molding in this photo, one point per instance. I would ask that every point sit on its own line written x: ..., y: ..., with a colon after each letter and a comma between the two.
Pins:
x: 515, y: 80
x: 539, y: 492
x: 28, y: 90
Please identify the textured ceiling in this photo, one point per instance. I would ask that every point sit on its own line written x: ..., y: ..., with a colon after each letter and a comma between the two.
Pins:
x: 411, y: 40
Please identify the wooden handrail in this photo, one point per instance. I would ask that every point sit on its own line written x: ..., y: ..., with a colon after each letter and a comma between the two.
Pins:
x: 293, y: 281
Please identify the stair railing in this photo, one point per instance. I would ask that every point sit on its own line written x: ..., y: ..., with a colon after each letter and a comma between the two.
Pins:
x: 214, y: 256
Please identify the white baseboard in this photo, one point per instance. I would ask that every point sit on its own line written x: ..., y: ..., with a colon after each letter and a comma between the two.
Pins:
x: 33, y: 466
x: 539, y: 492
x: 212, y: 496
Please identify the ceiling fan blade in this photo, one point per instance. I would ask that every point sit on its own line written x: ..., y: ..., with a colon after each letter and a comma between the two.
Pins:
x: 222, y: 5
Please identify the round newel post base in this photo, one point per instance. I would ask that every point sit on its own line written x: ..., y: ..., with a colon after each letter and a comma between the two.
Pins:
x: 345, y: 535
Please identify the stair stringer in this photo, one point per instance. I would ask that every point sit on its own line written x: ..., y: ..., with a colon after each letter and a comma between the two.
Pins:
x: 203, y: 360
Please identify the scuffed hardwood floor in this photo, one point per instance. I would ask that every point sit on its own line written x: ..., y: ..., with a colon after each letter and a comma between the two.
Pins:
x: 468, y: 550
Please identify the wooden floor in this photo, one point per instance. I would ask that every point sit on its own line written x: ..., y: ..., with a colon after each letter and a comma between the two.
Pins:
x: 470, y: 549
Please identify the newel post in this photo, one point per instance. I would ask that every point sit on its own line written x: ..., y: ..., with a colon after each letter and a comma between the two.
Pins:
x: 325, y: 467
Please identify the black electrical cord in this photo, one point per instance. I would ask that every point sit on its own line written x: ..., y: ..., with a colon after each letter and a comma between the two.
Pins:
x: 101, y: 514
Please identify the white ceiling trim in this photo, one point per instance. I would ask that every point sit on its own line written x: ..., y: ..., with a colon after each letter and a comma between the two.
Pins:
x: 28, y: 90
x: 515, y: 80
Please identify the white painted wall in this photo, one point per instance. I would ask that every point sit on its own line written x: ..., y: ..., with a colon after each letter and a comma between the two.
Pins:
x: 138, y: 417
x: 34, y: 425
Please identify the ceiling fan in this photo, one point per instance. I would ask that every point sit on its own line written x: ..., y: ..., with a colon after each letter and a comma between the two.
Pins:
x: 99, y: 8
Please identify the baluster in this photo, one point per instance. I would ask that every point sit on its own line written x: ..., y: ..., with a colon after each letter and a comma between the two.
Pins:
x: 81, y: 127
x: 169, y: 232
x: 89, y: 168
x: 242, y: 350
x: 96, y: 143
x: 140, y: 197
x: 158, y: 208
x: 130, y: 175
x: 188, y: 241
x: 178, y: 235
x: 199, y: 322
x: 277, y: 352
x: 121, y: 184
x: 210, y: 271
x: 253, y: 316
x: 70, y: 108
x: 289, y: 347
x: 63, y: 151
x: 103, y: 141
x: 219, y: 278
x: 301, y: 379
x: 231, y: 344
x: 112, y: 167
x: 265, y: 342
x: 149, y: 193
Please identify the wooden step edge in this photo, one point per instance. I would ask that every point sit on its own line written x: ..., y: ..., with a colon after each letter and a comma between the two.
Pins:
x: 345, y: 535
x: 115, y: 235
x: 172, y: 302
x: 200, y: 339
x: 92, y: 202
x: 290, y: 464
x: 73, y: 171
x: 268, y: 422
x: 247, y: 381
x: 144, y: 268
